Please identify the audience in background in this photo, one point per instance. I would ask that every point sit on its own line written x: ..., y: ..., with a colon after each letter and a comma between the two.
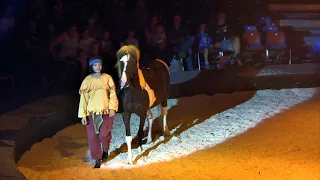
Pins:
x: 7, y: 21
x: 53, y: 27
x: 131, y: 40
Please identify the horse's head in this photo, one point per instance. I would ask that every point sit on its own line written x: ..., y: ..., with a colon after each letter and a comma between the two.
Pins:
x: 128, y: 63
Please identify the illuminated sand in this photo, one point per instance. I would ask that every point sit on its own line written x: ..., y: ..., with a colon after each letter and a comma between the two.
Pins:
x: 284, y: 146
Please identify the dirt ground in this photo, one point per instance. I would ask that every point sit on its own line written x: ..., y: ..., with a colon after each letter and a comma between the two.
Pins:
x: 286, y: 146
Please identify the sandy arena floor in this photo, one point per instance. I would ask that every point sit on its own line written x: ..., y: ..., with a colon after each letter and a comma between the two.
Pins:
x: 269, y: 134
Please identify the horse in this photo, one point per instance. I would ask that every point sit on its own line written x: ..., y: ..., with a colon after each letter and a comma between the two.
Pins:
x: 141, y: 90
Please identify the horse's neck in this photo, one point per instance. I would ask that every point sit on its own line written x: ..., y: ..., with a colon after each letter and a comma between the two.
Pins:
x: 138, y: 80
x: 135, y: 82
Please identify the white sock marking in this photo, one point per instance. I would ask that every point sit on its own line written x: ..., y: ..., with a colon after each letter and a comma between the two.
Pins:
x: 164, y: 112
x: 150, y: 119
x: 129, y: 140
x: 165, y: 128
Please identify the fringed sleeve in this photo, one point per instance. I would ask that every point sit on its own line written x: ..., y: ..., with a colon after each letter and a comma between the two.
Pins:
x: 84, y: 98
x: 113, y: 103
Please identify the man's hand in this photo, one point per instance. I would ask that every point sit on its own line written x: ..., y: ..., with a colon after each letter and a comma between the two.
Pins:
x: 84, y: 121
x: 112, y: 113
x: 217, y: 45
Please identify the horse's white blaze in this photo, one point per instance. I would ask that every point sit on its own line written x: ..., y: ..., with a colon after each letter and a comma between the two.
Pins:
x: 129, y: 140
x: 150, y: 119
x: 123, y: 79
x: 164, y: 112
x: 125, y: 58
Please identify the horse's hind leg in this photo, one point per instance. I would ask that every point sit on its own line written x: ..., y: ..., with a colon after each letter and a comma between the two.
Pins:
x: 150, y: 120
x: 140, y: 131
x: 164, y: 113
x: 126, y: 119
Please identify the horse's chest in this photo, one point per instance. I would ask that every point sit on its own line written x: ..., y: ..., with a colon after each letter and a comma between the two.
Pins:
x: 137, y: 101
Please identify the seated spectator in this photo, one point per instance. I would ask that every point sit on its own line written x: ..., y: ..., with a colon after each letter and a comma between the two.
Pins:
x: 131, y: 40
x: 32, y: 41
x: 7, y: 21
x: 205, y: 43
x: 108, y: 51
x: 179, y: 39
x: 140, y: 18
x: 69, y: 42
x: 223, y: 39
x: 119, y: 20
x: 177, y: 33
x: 86, y: 42
x: 83, y: 60
x: 96, y: 49
x: 269, y: 26
x: 150, y: 32
x: 32, y: 60
x: 162, y: 49
x: 94, y: 30
x: 272, y: 27
x: 48, y: 32
x: 107, y: 46
x: 69, y: 45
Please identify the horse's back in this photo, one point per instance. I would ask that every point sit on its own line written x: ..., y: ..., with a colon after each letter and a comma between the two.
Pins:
x: 158, y: 78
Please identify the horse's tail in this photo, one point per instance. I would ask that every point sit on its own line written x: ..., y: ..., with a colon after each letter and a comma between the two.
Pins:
x: 164, y: 102
x: 165, y: 64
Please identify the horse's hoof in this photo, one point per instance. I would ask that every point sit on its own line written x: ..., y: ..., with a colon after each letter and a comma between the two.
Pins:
x: 149, y: 141
x: 130, y: 162
x: 166, y: 134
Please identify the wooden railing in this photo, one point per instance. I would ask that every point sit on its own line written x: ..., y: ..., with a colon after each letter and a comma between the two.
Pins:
x: 295, y: 7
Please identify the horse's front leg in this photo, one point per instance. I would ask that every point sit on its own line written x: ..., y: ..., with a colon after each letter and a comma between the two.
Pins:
x: 164, y: 113
x: 150, y: 120
x: 126, y: 119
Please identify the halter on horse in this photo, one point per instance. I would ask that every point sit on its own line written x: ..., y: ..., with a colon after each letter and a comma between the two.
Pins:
x: 141, y: 90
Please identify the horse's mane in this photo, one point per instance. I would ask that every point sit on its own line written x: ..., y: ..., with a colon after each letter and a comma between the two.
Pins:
x: 131, y: 50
